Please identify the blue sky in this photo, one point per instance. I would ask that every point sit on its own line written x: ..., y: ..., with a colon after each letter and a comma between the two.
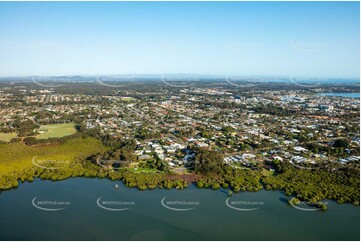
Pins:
x: 318, y: 39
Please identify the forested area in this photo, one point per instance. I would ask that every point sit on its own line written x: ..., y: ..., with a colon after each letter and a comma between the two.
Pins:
x: 142, y: 181
x: 236, y: 179
x: 78, y: 153
x: 341, y: 185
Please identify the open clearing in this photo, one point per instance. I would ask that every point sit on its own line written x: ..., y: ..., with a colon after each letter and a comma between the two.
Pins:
x: 7, y: 136
x: 56, y: 130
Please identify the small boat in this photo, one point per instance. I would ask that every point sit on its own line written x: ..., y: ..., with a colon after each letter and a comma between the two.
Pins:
x: 116, y: 185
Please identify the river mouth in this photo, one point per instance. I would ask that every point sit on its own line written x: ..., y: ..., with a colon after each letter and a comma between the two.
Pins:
x: 94, y: 209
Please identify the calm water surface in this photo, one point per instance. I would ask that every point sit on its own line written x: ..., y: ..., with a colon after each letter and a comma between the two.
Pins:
x: 192, y: 214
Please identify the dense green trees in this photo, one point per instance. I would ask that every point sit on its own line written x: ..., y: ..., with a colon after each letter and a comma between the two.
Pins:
x: 341, y: 143
x: 242, y: 179
x: 122, y: 153
x: 208, y: 162
x: 145, y: 134
x: 338, y: 149
x: 273, y: 110
x: 236, y: 179
x: 22, y: 127
x: 341, y: 185
x: 87, y: 169
x: 30, y: 140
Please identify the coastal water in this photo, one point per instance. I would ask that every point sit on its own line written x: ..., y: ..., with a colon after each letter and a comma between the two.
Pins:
x: 93, y: 209
x: 336, y: 94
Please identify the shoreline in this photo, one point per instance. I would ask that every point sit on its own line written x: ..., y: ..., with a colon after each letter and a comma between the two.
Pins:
x: 189, y: 184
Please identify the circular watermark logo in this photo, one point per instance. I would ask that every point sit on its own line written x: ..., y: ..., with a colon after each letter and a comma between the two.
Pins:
x: 114, y: 205
x: 307, y: 46
x: 50, y: 205
x: 179, y: 205
x: 305, y: 205
x: 244, y: 82
x: 302, y: 167
x: 49, y: 82
x: 50, y: 164
x: 309, y: 82
x: 244, y: 206
x: 112, y: 164
x: 115, y: 81
x: 179, y: 82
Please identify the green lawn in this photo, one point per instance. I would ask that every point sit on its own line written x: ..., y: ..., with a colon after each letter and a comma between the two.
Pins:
x: 266, y: 172
x: 143, y: 170
x: 7, y: 136
x: 128, y: 99
x: 56, y: 130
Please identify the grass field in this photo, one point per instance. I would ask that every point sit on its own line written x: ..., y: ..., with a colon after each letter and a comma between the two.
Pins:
x: 128, y: 99
x: 142, y: 170
x: 7, y: 136
x: 18, y: 156
x: 56, y: 130
x: 267, y: 172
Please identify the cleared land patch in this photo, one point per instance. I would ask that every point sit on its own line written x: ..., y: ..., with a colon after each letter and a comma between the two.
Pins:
x: 56, y: 130
x: 6, y: 137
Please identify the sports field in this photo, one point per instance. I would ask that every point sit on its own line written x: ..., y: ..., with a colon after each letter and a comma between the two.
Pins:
x: 56, y: 130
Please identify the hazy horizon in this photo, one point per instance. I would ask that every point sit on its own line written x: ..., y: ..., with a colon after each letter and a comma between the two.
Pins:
x: 159, y: 75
